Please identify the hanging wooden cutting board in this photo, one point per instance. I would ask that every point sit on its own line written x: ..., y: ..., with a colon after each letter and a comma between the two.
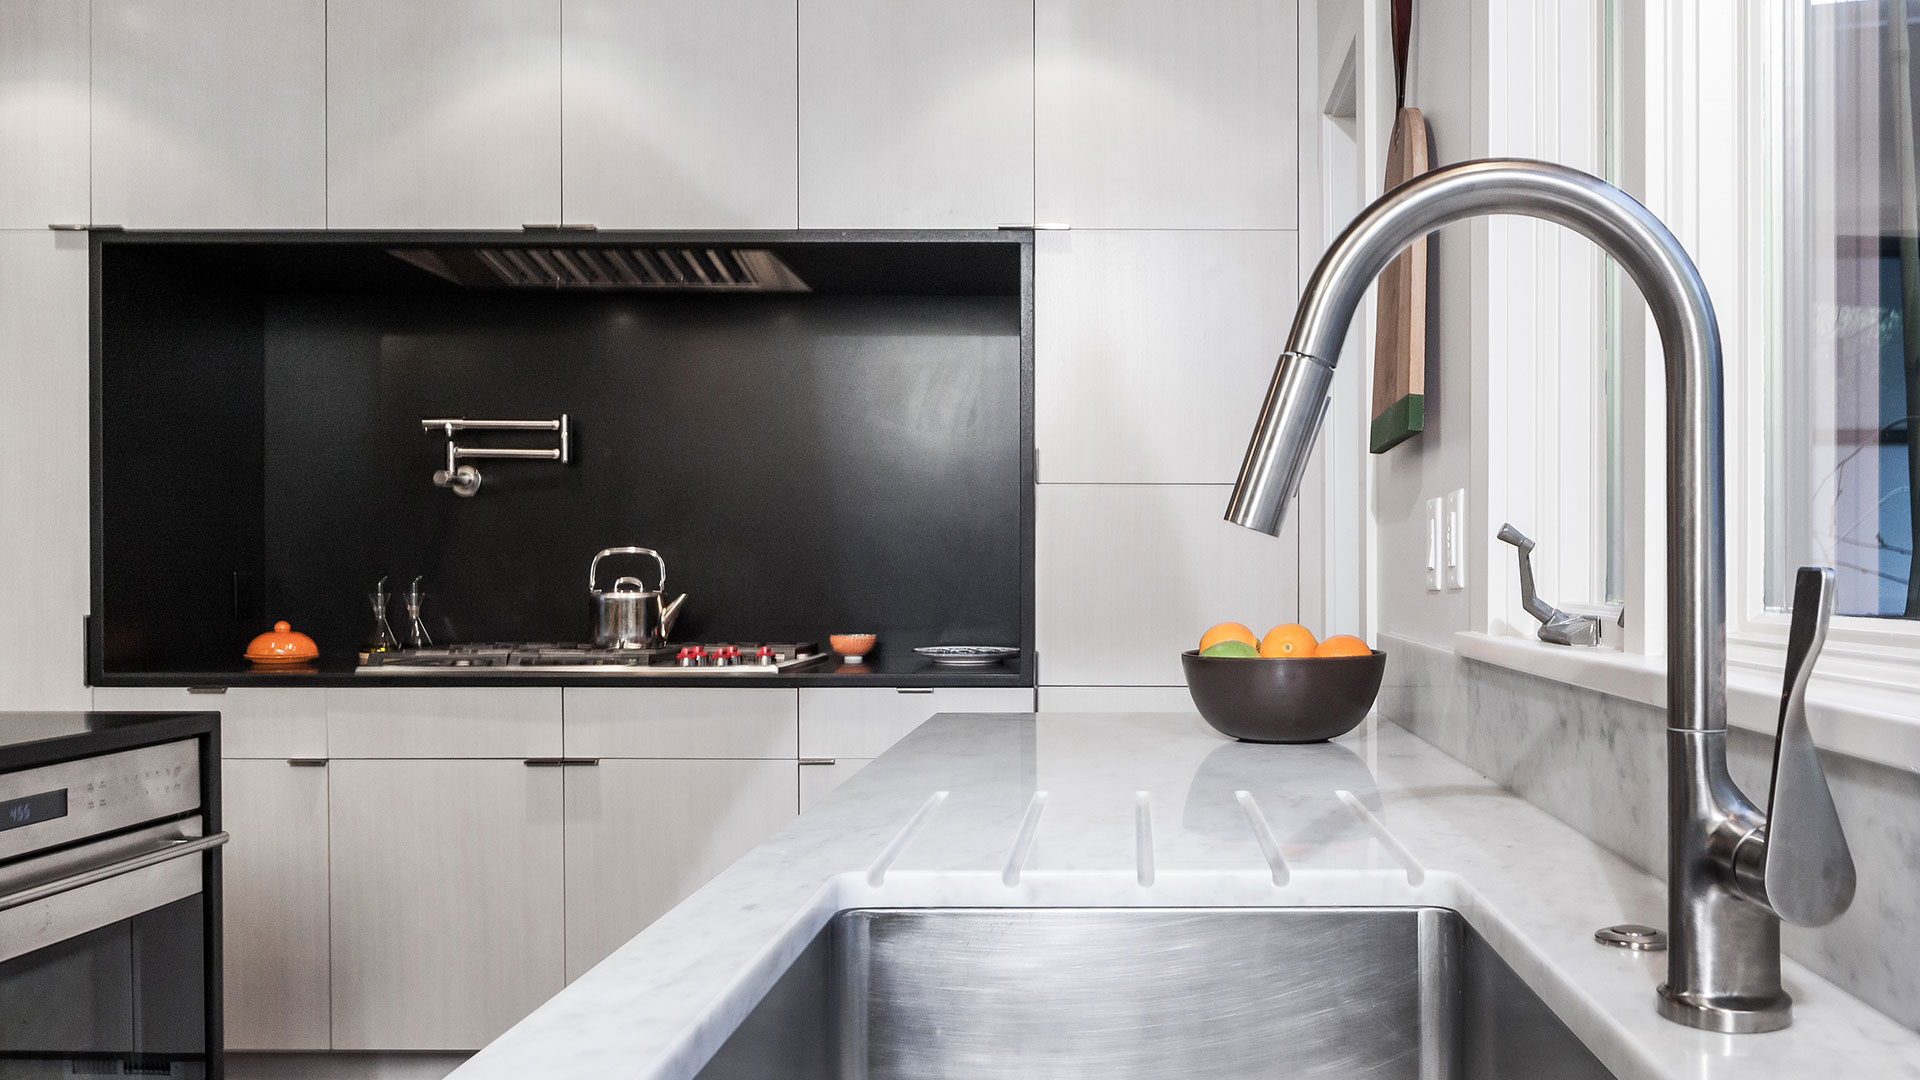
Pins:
x: 1400, y: 318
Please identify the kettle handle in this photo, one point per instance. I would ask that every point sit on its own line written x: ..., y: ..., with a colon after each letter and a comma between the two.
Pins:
x: 593, y: 568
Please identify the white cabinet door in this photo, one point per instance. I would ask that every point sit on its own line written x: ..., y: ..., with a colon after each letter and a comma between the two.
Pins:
x: 678, y: 115
x: 680, y: 722
x: 447, y: 899
x: 43, y: 113
x: 443, y: 114
x: 1127, y: 577
x: 915, y: 116
x: 863, y: 721
x: 643, y: 835
x: 43, y: 469
x: 210, y: 114
x: 255, y: 722
x: 1153, y: 115
x: 1153, y: 349
x: 444, y: 722
x: 275, y: 905
x: 820, y: 776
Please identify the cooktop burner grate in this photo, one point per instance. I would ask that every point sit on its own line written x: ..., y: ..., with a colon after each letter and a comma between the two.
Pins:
x: 484, y: 657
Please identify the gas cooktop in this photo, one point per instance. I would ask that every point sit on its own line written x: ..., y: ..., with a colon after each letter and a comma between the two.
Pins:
x: 543, y: 657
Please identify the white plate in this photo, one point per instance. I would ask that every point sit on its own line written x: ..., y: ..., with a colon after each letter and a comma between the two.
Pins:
x: 966, y: 655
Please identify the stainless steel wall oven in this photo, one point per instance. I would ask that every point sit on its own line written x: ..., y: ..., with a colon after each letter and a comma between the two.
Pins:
x: 109, y: 910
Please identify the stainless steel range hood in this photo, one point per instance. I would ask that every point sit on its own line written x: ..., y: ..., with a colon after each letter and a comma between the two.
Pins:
x: 608, y: 267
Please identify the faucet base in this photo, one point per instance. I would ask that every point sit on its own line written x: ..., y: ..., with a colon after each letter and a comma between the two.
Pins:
x: 1728, y: 1015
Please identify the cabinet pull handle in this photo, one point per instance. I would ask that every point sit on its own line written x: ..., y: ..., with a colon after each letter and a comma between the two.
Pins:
x: 819, y: 761
x: 206, y: 689
x: 307, y: 762
x: 913, y: 690
x: 547, y: 762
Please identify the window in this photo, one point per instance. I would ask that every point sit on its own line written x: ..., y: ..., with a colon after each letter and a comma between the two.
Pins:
x: 1843, y: 385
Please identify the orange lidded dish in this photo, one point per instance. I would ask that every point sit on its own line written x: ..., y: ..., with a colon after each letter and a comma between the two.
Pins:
x: 282, y: 645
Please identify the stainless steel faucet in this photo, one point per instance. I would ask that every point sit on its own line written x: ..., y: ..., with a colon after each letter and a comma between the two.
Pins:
x: 1733, y: 872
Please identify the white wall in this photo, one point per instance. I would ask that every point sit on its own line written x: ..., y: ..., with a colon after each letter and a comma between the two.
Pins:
x: 1445, y: 52
x: 1514, y: 335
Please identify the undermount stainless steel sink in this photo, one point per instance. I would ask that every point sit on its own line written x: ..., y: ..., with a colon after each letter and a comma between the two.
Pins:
x: 984, y: 993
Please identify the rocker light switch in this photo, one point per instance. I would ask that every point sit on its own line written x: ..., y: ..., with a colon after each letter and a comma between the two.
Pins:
x: 1453, y: 525
x: 1434, y: 543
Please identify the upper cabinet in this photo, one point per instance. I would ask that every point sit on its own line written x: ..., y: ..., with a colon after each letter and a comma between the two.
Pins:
x: 443, y: 114
x: 43, y: 113
x: 678, y: 115
x: 210, y: 114
x: 1124, y: 315
x: 43, y: 468
x: 916, y: 115
x: 1153, y: 115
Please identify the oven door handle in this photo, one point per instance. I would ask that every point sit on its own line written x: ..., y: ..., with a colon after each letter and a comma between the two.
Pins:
x: 171, y: 850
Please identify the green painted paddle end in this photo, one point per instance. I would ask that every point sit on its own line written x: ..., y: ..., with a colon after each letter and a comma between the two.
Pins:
x: 1402, y: 421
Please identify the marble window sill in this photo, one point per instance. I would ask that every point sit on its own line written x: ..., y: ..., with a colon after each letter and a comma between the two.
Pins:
x: 1875, y: 723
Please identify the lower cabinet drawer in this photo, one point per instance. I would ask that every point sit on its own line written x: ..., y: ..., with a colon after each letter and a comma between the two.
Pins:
x: 681, y: 722
x: 862, y: 722
x: 255, y: 722
x: 444, y: 722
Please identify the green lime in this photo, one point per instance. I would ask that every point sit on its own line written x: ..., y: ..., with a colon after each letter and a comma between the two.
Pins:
x: 1230, y: 648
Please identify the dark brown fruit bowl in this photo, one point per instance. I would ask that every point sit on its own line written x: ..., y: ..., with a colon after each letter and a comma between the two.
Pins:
x: 1309, y: 699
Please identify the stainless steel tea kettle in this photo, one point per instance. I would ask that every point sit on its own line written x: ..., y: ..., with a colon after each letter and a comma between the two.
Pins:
x: 630, y: 616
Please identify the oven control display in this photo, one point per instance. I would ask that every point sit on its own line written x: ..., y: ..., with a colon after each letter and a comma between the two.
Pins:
x: 31, y: 808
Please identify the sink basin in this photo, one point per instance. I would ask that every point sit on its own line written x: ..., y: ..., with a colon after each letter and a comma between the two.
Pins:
x: 1115, y: 993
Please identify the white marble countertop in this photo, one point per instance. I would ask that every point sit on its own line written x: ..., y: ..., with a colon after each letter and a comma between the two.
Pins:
x: 1378, y: 817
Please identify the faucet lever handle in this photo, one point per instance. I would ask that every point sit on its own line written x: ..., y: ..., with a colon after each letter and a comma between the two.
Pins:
x: 1807, y: 867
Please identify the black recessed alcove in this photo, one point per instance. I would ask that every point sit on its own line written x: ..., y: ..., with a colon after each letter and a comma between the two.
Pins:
x: 854, y: 457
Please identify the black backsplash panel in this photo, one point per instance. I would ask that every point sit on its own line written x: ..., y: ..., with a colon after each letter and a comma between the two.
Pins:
x: 179, y: 464
x: 806, y: 464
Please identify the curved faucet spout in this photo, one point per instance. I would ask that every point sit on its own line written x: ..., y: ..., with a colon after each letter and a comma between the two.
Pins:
x: 1724, y: 966
x: 1654, y: 259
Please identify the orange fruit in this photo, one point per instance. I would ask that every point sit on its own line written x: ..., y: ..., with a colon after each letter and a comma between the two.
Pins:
x: 1288, y: 640
x: 1343, y: 645
x: 1226, y: 631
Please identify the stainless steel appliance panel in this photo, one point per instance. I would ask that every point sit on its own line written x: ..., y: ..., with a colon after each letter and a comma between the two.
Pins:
x: 104, y: 923
x: 100, y: 795
x: 59, y: 896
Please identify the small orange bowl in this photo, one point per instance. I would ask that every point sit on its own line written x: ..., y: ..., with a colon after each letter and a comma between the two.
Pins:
x: 282, y: 645
x: 852, y: 647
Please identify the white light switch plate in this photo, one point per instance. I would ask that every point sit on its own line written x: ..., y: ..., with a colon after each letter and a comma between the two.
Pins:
x: 1453, y: 527
x: 1433, y: 545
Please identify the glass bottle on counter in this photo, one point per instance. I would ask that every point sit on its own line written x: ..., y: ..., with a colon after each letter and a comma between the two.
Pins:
x: 383, y: 639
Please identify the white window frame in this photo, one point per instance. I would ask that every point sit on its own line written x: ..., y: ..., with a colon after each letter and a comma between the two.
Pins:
x: 1710, y: 82
x: 1865, y: 651
x: 1540, y: 372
